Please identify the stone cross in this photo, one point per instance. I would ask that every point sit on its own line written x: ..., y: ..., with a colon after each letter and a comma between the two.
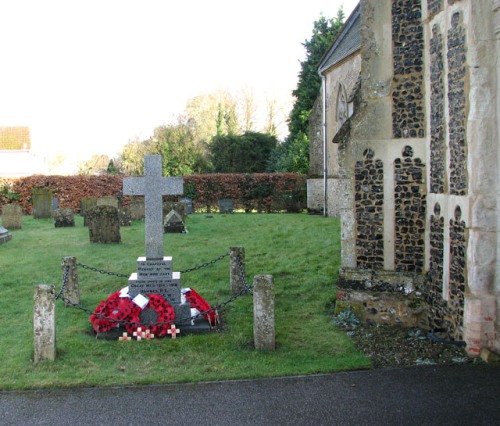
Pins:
x: 153, y: 185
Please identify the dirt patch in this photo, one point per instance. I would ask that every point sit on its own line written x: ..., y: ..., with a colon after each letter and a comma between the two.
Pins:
x: 390, y: 346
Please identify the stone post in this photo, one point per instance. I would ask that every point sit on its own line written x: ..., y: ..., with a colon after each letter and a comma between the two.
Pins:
x: 71, y: 291
x: 236, y: 276
x: 263, y: 313
x: 44, y: 323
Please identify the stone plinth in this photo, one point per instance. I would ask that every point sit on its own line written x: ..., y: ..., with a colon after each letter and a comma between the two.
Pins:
x: 156, y: 276
x: 5, y: 235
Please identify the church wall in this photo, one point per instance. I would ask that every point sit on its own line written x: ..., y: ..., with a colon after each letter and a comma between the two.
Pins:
x: 419, y: 164
x: 341, y: 80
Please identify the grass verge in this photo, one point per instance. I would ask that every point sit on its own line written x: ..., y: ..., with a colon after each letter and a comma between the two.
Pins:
x: 301, y: 252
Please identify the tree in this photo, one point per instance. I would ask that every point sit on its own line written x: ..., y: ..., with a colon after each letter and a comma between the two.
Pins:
x: 132, y: 156
x: 247, y: 153
x: 96, y: 165
x: 179, y: 150
x: 308, y: 87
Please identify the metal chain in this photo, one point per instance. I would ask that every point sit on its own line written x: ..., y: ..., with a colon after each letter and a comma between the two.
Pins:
x: 241, y: 271
x: 204, y: 265
x: 65, y: 281
x: 216, y: 308
x: 185, y: 271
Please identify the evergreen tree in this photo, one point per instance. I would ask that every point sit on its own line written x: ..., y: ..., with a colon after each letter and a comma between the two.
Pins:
x: 292, y: 156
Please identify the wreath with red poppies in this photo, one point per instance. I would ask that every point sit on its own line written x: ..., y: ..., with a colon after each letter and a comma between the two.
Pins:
x: 164, y: 312
x: 119, y: 309
x: 199, y: 303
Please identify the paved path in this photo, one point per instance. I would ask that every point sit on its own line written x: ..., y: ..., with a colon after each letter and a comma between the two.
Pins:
x: 456, y: 395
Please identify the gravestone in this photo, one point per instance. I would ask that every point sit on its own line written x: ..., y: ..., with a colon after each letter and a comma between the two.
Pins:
x: 86, y: 204
x: 55, y: 204
x: 5, y: 235
x: 188, y: 203
x: 125, y: 216
x: 12, y: 216
x: 108, y: 200
x: 42, y: 203
x: 63, y: 218
x: 154, y: 271
x: 136, y: 207
x: 226, y: 206
x: 174, y: 223
x: 104, y: 224
x: 180, y: 208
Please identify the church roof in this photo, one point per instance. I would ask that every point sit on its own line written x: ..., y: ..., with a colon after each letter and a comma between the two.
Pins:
x: 15, y: 138
x: 345, y: 44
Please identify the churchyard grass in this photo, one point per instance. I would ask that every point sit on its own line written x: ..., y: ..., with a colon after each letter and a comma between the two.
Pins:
x: 301, y: 252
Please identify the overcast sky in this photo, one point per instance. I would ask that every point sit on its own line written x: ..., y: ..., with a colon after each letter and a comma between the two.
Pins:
x: 88, y: 76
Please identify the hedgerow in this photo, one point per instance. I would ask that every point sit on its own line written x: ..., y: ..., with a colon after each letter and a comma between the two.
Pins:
x: 263, y: 192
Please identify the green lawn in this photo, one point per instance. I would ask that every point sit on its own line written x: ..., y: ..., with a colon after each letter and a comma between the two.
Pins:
x: 301, y: 252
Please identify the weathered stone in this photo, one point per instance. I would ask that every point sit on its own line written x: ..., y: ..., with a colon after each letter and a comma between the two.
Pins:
x: 63, y: 218
x: 237, y: 269
x: 174, y: 223
x: 86, y: 204
x: 103, y: 224
x: 179, y: 207
x: 71, y: 290
x: 12, y: 216
x: 44, y: 323
x: 108, y: 200
x: 263, y: 313
x: 42, y: 203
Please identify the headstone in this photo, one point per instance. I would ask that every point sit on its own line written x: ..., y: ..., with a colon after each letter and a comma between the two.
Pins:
x: 108, y: 200
x: 124, y: 216
x: 63, y: 218
x: 86, y: 204
x: 5, y: 235
x: 154, y: 272
x: 174, y: 223
x: 188, y: 203
x: 42, y: 203
x: 55, y: 204
x: 12, y: 216
x: 104, y: 224
x: 226, y: 206
x: 136, y: 207
x: 180, y: 208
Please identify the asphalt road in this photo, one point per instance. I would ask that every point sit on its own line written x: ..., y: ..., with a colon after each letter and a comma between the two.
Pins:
x: 454, y: 395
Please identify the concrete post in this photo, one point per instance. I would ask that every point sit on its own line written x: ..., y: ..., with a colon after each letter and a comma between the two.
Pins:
x: 71, y: 291
x: 237, y: 283
x: 263, y: 313
x: 44, y: 323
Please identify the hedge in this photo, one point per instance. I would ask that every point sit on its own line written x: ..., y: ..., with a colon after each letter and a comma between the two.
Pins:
x: 263, y: 192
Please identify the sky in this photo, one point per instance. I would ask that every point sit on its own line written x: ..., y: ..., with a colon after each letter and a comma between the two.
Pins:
x: 89, y: 76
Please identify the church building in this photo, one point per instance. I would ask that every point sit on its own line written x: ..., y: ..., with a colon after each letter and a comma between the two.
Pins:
x: 405, y: 150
